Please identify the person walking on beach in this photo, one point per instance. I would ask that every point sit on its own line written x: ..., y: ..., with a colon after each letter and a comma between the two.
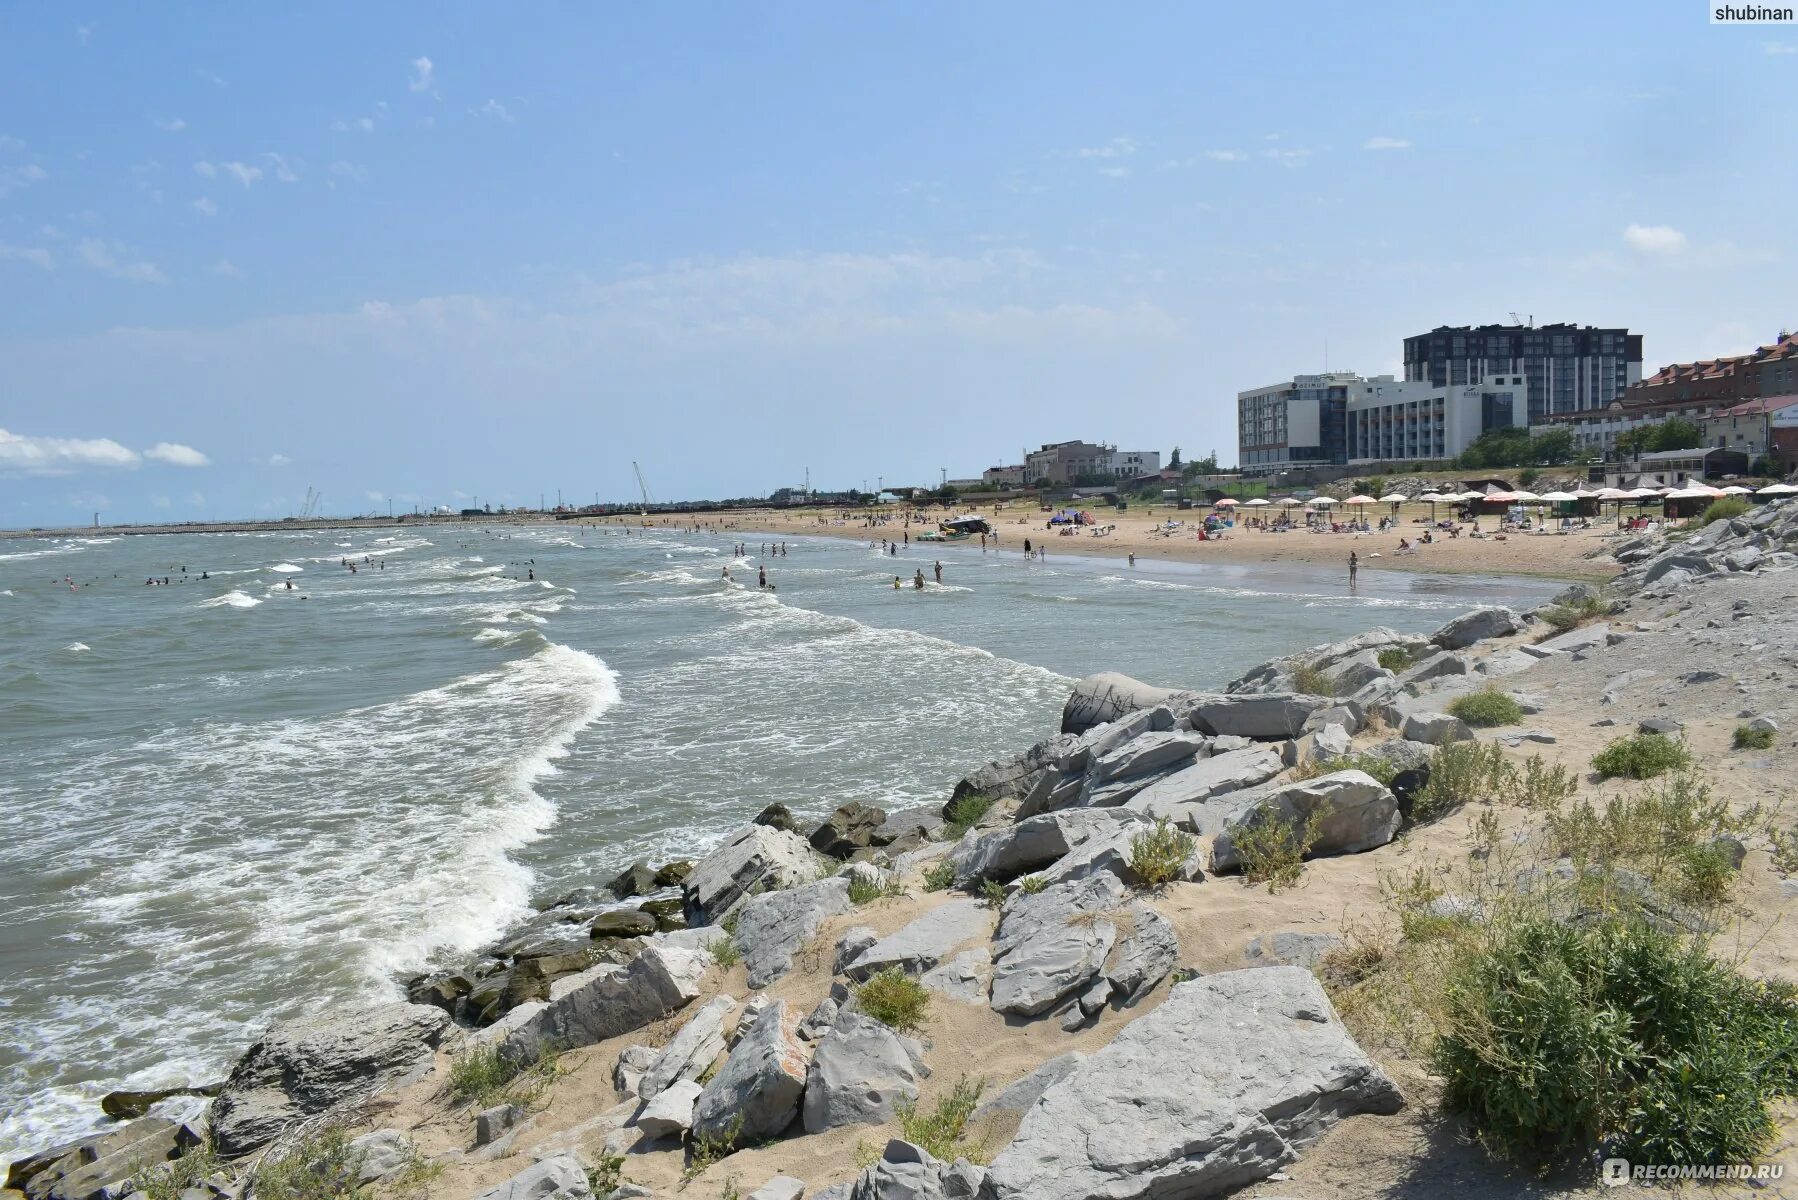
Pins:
x: 1026, y: 547
x: 1354, y: 565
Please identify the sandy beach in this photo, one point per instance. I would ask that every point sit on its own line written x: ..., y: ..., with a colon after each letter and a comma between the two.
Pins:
x: 1142, y: 532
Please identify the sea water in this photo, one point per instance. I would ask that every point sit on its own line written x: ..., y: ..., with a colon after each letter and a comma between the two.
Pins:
x: 228, y: 800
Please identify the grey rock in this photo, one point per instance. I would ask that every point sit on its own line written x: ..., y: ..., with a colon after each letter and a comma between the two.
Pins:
x: 303, y: 1067
x: 1357, y: 813
x: 1664, y: 725
x: 756, y: 1095
x: 1693, y: 564
x: 850, y: 828
x: 490, y: 1124
x: 777, y: 816
x: 1146, y: 955
x: 1019, y: 1096
x: 781, y: 1187
x: 756, y: 857
x: 1105, y: 697
x: 627, y: 1073
x: 965, y: 978
x: 89, y: 1168
x: 773, y: 926
x: 1590, y: 637
x: 1625, y: 685
x: 559, y: 1178
x: 908, y: 1172
x: 1332, y: 741
x: 638, y: 879
x: 1290, y: 948
x: 382, y: 1153
x: 926, y: 822
x: 690, y: 1051
x: 1436, y: 666
x: 860, y: 1073
x: 1350, y: 714
x: 1222, y: 1084
x: 1174, y: 797
x: 1267, y: 716
x: 1435, y: 728
x: 1050, y: 945
x: 656, y: 983
x: 1403, y: 754
x: 1035, y: 842
x: 1104, y: 740
x: 1014, y: 775
x: 1764, y: 725
x: 1506, y: 662
x: 1110, y: 848
x: 817, y: 1023
x: 925, y: 942
x: 850, y: 946
x: 1476, y: 626
x: 1146, y: 754
x: 671, y: 1112
x: 622, y: 923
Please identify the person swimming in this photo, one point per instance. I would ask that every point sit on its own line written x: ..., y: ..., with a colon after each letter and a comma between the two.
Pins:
x: 917, y: 581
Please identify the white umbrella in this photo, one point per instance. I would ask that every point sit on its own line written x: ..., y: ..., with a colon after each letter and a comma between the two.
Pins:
x: 1432, y: 498
x: 1256, y: 503
x: 1322, y: 501
x: 1394, y: 498
x: 1360, y: 500
x: 1289, y: 502
x: 1226, y: 502
x: 1615, y: 494
x: 1464, y: 497
x: 1778, y: 489
x: 1558, y: 497
x: 1736, y: 489
x: 1525, y: 497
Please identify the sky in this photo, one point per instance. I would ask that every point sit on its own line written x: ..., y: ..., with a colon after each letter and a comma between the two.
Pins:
x: 447, y: 253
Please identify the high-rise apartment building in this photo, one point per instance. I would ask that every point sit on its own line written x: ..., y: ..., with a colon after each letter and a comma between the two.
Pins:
x: 1567, y: 368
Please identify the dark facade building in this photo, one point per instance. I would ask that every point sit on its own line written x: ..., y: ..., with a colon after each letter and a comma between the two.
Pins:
x: 1568, y: 368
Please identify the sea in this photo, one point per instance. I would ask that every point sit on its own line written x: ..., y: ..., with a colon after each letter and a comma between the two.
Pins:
x: 275, y: 785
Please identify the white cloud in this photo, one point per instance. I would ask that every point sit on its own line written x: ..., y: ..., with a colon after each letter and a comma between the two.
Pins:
x: 206, y: 170
x: 177, y: 455
x: 225, y: 268
x: 1780, y: 48
x: 10, y: 143
x: 1287, y: 158
x: 1655, y: 239
x: 423, y: 75
x: 347, y: 170
x: 366, y: 124
x: 83, y: 34
x: 118, y: 262
x: 1227, y: 155
x: 283, y: 169
x: 1120, y: 147
x: 493, y: 108
x: 277, y: 460
x: 171, y: 125
x: 24, y: 455
x: 37, y: 256
x: 13, y: 179
x: 1115, y: 172
x: 1385, y: 143
x: 205, y: 207
x: 244, y: 173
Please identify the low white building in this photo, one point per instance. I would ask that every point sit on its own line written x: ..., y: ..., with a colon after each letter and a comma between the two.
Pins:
x: 1393, y: 420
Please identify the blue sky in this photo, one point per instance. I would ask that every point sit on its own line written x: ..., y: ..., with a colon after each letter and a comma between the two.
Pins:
x: 425, y: 252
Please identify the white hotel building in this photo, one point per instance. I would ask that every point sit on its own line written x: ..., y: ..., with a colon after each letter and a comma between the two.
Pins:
x: 1393, y: 420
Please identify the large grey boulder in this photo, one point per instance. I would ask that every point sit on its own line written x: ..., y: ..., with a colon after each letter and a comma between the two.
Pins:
x: 1588, y: 637
x: 1051, y: 945
x: 1145, y: 754
x: 1355, y: 672
x: 1274, y: 715
x: 921, y: 823
x: 689, y: 1052
x: 559, y: 1178
x: 1436, y: 666
x: 1013, y: 775
x: 1174, y: 797
x: 781, y: 1187
x: 1694, y: 564
x: 773, y: 926
x: 1435, y: 728
x: 657, y: 982
x: 1477, y: 626
x: 1224, y: 1083
x: 860, y: 1073
x: 1276, y: 676
x: 849, y: 829
x: 908, y: 1172
x: 1111, y: 848
x: 1107, y: 696
x: 671, y: 1111
x: 756, y: 1094
x: 1146, y: 955
x: 755, y: 858
x: 306, y: 1066
x: 1014, y: 850
x: 925, y: 942
x: 91, y: 1168
x: 965, y: 978
x: 1356, y: 813
x: 1019, y: 1096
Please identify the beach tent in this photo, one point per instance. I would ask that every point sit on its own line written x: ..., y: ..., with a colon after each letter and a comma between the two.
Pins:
x: 969, y: 524
x: 1778, y: 489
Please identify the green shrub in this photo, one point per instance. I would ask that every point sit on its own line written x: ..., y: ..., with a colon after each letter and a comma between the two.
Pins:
x: 1641, y: 756
x: 939, y: 876
x: 1563, y: 618
x: 993, y: 892
x: 942, y: 1131
x: 1668, y: 833
x: 320, y: 1167
x: 1724, y: 508
x: 1538, y: 785
x: 1486, y: 708
x: 1157, y: 855
x: 706, y: 1150
x: 894, y: 999
x: 965, y: 813
x: 1396, y: 659
x: 487, y: 1077
x: 865, y: 890
x: 1565, y: 1039
x: 1748, y: 738
x: 1311, y: 681
x: 1381, y: 769
x: 167, y: 1181
x: 725, y: 950
x: 1273, y: 851
x: 1032, y: 885
x: 1460, y: 773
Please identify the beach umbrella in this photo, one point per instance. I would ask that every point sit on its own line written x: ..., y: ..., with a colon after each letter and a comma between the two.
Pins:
x: 1736, y: 489
x: 1393, y: 498
x: 1360, y: 500
x: 1226, y: 502
x: 1257, y: 502
x: 1777, y: 489
x: 1557, y: 497
x: 1523, y: 497
x: 1322, y: 501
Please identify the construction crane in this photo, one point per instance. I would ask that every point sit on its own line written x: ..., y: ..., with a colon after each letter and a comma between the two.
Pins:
x: 642, y: 486
x: 311, y: 505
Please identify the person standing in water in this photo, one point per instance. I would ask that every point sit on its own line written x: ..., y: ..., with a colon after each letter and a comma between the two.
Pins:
x: 1354, y: 565
x: 761, y: 577
x: 939, y: 571
x: 917, y: 580
x: 895, y: 583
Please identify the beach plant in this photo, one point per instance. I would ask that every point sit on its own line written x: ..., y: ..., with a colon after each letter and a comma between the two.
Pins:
x: 865, y: 889
x: 1641, y: 756
x: 322, y: 1166
x: 1562, y: 618
x: 1396, y: 659
x: 1671, y: 834
x: 724, y: 950
x: 1383, y: 770
x: 1724, y: 508
x: 894, y: 999
x: 1486, y: 708
x: 939, y: 876
x: 1273, y: 851
x: 606, y: 1173
x: 1564, y: 1038
x: 1537, y: 784
x: 705, y: 1151
x: 486, y: 1077
x: 993, y: 892
x: 1311, y: 680
x: 169, y: 1180
x: 1747, y: 737
x: 1032, y: 885
x: 1460, y: 773
x: 964, y: 814
x: 1157, y: 855
x: 942, y: 1129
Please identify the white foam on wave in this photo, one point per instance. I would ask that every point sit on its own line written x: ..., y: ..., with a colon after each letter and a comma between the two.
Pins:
x: 231, y: 600
x: 286, y: 568
x: 77, y: 647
